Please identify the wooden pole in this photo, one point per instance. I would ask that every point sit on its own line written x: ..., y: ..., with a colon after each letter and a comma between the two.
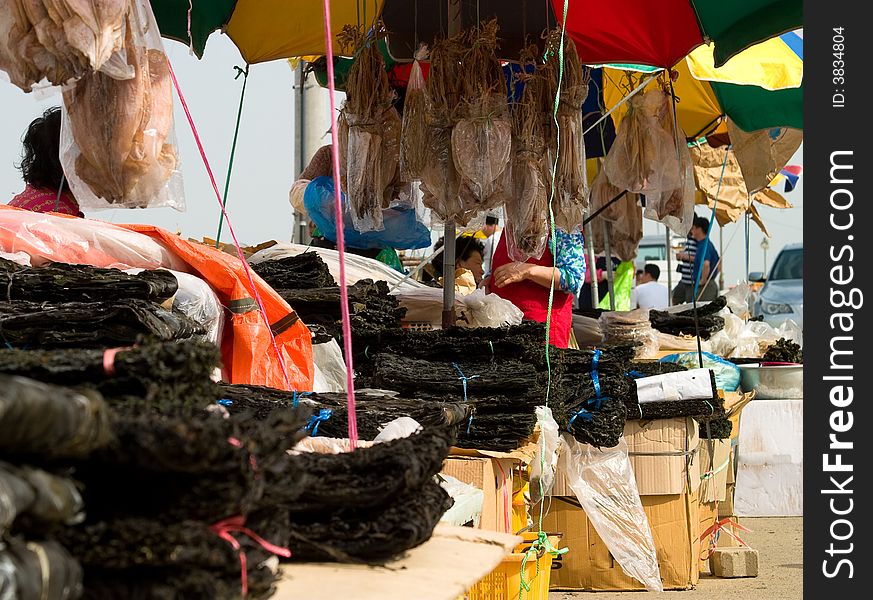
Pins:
x: 450, y: 231
x: 609, y: 275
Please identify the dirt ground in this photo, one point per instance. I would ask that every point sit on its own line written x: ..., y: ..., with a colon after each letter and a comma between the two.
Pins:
x: 779, y: 542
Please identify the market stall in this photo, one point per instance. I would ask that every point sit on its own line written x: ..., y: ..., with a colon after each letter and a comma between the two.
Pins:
x: 176, y: 420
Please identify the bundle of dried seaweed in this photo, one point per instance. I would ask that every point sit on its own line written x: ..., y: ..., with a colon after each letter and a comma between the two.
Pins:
x: 37, y: 570
x: 566, y: 140
x: 302, y: 272
x: 166, y: 374
x: 50, y: 421
x: 416, y: 113
x: 716, y: 429
x: 175, y: 584
x: 371, y: 131
x: 703, y: 409
x: 61, y: 282
x: 599, y: 422
x: 121, y: 322
x: 784, y: 350
x: 684, y: 323
x: 482, y: 135
x: 527, y: 209
x: 440, y: 179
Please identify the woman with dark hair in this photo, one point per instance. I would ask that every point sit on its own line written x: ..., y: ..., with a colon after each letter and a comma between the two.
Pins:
x: 46, y: 187
x: 469, y: 255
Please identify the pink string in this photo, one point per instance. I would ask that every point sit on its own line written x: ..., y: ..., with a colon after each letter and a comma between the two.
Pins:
x: 340, y: 237
x: 239, y: 251
x: 223, y: 529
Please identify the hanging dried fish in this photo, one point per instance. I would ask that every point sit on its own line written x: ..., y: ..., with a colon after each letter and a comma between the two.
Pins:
x: 567, y: 143
x: 482, y: 137
x: 369, y: 132
x: 440, y: 179
x: 527, y: 215
x: 416, y: 109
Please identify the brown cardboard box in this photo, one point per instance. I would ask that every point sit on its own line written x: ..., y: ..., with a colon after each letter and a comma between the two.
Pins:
x: 662, y: 454
x: 589, y: 565
x: 713, y: 457
x: 494, y: 476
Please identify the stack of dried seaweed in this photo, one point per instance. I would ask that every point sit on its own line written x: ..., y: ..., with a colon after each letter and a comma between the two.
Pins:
x: 372, y: 308
x: 709, y: 409
x: 305, y: 271
x: 784, y: 350
x: 375, y: 409
x: 121, y: 322
x: 169, y: 376
x: 61, y: 282
x: 683, y: 323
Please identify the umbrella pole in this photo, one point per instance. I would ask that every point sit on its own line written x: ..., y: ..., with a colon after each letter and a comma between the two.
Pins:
x: 449, y: 233
x: 609, y: 276
x: 669, y: 268
x: 592, y: 264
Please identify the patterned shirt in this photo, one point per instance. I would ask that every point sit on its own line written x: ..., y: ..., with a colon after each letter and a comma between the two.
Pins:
x: 42, y: 200
x: 686, y: 268
x: 570, y: 260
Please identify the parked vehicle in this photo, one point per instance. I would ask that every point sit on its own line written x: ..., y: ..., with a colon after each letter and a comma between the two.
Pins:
x: 781, y: 298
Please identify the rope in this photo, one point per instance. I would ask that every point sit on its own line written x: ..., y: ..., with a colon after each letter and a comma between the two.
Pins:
x: 245, y: 74
x: 340, y: 236
x: 464, y: 379
x: 239, y: 251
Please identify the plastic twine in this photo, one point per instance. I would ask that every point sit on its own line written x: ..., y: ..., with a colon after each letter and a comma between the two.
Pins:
x: 245, y: 74
x: 239, y: 251
x: 539, y: 547
x: 224, y: 529
x: 315, y: 420
x: 464, y: 379
x: 340, y: 237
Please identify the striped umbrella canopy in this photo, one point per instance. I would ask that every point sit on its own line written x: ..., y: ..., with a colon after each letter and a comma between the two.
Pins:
x: 605, y: 31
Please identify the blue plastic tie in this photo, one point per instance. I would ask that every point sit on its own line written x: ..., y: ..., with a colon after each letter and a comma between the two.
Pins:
x: 464, y: 380
x: 586, y: 411
x: 225, y: 402
x: 595, y: 378
x: 315, y: 420
x: 635, y: 374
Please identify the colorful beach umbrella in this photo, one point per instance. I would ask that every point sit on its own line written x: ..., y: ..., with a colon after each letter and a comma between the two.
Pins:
x: 605, y: 31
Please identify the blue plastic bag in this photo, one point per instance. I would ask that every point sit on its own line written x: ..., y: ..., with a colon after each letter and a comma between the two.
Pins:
x: 403, y: 230
x: 727, y: 374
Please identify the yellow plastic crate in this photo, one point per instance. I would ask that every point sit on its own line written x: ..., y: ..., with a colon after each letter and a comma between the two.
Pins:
x: 504, y: 582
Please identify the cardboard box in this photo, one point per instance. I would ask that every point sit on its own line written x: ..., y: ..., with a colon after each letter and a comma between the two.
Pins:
x: 589, y: 565
x: 714, y: 464
x: 662, y: 454
x: 494, y: 476
x: 707, y: 512
x: 726, y: 508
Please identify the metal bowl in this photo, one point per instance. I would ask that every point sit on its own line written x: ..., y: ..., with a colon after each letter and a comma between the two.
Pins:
x: 772, y: 382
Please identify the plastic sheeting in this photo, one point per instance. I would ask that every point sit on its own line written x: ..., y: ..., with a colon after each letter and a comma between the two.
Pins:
x: 603, y: 481
x: 330, y: 368
x: 727, y: 374
x: 770, y: 460
x: 545, y: 463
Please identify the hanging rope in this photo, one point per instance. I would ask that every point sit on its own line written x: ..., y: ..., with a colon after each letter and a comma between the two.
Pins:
x: 245, y: 74
x: 340, y: 236
x: 239, y: 251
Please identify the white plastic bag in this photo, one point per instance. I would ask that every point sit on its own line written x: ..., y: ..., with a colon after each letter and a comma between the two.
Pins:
x: 489, y: 310
x: 118, y: 141
x: 545, y: 463
x: 196, y: 299
x: 468, y: 501
x: 754, y: 340
x: 791, y: 331
x: 738, y: 300
x: 330, y: 368
x: 400, y: 427
x: 694, y: 384
x: 604, y: 483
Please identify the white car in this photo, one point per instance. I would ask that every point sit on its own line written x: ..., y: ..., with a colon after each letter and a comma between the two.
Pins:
x: 781, y: 298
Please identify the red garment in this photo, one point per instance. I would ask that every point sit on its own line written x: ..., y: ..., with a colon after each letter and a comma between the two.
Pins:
x: 533, y: 299
x: 43, y: 200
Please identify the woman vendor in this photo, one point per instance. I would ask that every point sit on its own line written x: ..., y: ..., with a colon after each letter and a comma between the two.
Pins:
x: 526, y: 284
x: 46, y: 188
x: 469, y: 256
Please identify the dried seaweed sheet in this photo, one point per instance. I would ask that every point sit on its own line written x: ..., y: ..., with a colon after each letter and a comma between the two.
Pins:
x: 683, y: 323
x: 784, y: 350
x: 59, y: 282
x: 302, y: 272
x: 50, y: 421
x: 91, y: 324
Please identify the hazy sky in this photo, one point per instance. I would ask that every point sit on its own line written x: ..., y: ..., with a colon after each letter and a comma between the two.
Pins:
x: 263, y: 168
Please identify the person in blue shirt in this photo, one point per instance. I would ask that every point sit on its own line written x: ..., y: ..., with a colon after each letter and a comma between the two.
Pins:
x: 706, y: 262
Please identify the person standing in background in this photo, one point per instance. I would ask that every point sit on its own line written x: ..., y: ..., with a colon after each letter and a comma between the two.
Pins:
x: 685, y: 288
x: 492, y: 238
x: 706, y: 262
x: 648, y: 293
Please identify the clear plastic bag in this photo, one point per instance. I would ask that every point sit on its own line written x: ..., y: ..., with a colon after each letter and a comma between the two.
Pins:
x: 118, y: 140
x: 738, y: 300
x: 527, y: 212
x: 330, y: 368
x: 489, y: 310
x: 675, y: 207
x: 196, y: 299
x: 643, y: 158
x: 727, y: 374
x: 413, y: 139
x: 400, y: 229
x: 481, y: 148
x: 604, y: 483
x: 39, y: 43
x: 545, y: 462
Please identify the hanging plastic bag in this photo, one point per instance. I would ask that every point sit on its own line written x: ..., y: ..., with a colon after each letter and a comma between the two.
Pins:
x: 118, y: 142
x: 643, y: 158
x: 604, y: 483
x: 401, y: 228
x: 416, y: 110
x: 545, y: 463
x: 790, y: 331
x: 738, y: 300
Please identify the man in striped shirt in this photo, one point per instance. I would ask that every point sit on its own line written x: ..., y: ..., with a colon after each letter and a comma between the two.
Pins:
x: 684, y: 290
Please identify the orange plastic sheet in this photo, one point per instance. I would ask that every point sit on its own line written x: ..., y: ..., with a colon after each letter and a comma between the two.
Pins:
x: 251, y: 358
x: 247, y: 350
